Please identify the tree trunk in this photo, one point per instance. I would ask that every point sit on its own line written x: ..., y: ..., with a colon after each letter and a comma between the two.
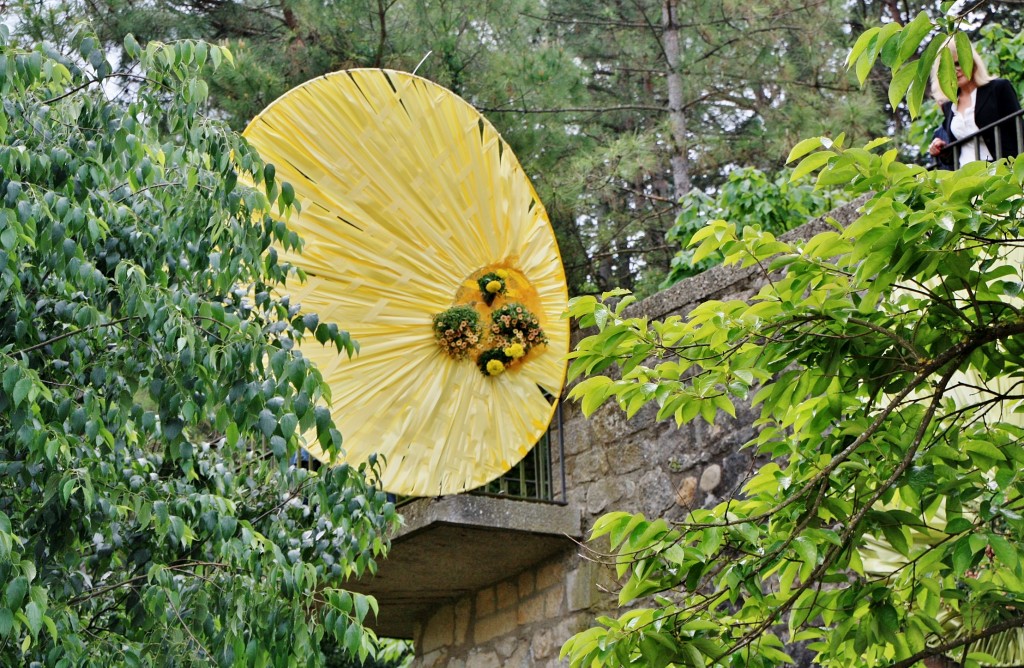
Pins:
x: 677, y: 119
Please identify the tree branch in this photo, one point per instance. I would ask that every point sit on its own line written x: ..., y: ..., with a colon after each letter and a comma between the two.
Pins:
x: 1013, y: 623
x: 67, y: 335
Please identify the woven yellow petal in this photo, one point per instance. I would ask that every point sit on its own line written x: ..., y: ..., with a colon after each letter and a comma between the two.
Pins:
x: 407, y: 195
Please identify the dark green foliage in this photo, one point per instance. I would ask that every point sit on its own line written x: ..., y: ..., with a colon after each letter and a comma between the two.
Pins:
x: 513, y: 322
x: 489, y: 355
x: 576, y: 87
x: 152, y: 398
x: 750, y: 197
x: 486, y: 287
x: 458, y: 331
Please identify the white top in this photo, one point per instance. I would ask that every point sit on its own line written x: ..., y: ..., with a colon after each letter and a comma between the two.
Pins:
x: 962, y: 125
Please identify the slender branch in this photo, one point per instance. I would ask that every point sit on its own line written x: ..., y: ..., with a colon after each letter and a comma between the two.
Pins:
x: 1012, y: 623
x: 119, y: 75
x: 146, y: 188
x: 67, y: 335
x: 199, y: 645
x: 93, y: 593
x: 573, y: 110
x: 885, y: 332
x: 855, y: 521
x: 288, y: 499
x: 959, y: 350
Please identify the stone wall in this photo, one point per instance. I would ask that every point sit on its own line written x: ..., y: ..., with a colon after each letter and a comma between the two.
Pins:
x: 519, y: 622
x: 636, y: 465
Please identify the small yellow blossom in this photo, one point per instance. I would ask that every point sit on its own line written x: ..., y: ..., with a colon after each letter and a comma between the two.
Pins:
x: 515, y: 351
x: 502, y: 273
x: 494, y: 287
x: 495, y: 367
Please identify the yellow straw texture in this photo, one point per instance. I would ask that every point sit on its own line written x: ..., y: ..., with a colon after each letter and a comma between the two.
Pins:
x: 405, y: 192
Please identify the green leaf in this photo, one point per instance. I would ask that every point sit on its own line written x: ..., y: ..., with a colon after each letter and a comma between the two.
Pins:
x: 901, y: 80
x: 965, y: 54
x: 947, y: 74
x: 808, y: 555
x: 35, y: 618
x: 6, y: 622
x: 288, y: 423
x: 910, y: 38
x: 922, y: 77
x: 812, y: 163
x: 962, y: 556
x: 896, y: 538
x: 68, y: 488
x: 15, y: 592
x: 231, y: 435
x: 861, y: 45
x: 287, y: 194
x: 803, y: 148
x: 1005, y: 552
x: 888, y: 620
x: 985, y: 450
x: 21, y: 390
x: 362, y: 606
x: 959, y: 525
x: 267, y: 423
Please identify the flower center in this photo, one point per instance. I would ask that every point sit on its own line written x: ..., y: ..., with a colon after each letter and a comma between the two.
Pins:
x: 492, y: 321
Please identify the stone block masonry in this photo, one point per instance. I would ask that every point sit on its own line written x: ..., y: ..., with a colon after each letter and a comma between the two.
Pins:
x: 519, y: 622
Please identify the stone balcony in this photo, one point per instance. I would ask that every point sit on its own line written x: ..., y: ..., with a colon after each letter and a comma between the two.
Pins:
x: 450, y: 547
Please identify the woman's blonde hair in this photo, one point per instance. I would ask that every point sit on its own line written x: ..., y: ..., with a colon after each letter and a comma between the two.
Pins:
x: 979, y: 76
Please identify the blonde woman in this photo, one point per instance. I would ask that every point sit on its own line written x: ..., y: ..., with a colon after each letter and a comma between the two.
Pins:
x: 981, y: 101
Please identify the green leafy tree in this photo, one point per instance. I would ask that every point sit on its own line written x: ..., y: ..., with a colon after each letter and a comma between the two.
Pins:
x: 614, y: 108
x: 887, y: 526
x: 152, y: 401
x: 750, y: 197
x: 682, y: 93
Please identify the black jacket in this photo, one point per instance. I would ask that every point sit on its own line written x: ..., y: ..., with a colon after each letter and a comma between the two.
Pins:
x: 994, y: 100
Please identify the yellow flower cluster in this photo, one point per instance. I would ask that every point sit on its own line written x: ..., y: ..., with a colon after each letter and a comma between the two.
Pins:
x: 515, y: 351
x: 495, y: 367
x: 494, y: 287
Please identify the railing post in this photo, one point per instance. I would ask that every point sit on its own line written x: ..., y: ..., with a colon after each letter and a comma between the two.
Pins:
x: 1014, y: 145
x: 561, y: 452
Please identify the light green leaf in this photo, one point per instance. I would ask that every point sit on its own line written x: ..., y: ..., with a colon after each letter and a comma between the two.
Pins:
x: 34, y: 614
x: 910, y: 38
x: 901, y: 80
x: 965, y: 54
x: 21, y: 390
x: 1005, y: 552
x: 812, y: 163
x: 803, y: 148
x: 947, y: 74
x: 861, y: 45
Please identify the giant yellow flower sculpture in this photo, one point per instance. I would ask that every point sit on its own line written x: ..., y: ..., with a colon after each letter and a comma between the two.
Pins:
x: 423, y: 238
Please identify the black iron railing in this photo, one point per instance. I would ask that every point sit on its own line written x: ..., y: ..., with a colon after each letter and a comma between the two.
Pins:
x: 1003, y: 144
x: 540, y: 475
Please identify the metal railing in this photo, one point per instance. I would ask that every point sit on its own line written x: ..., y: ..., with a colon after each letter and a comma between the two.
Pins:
x: 1017, y: 147
x: 534, y: 477
x: 539, y: 476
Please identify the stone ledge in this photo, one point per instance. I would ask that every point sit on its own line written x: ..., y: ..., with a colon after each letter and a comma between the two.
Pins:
x: 689, y: 292
x: 492, y: 513
x: 452, y: 547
